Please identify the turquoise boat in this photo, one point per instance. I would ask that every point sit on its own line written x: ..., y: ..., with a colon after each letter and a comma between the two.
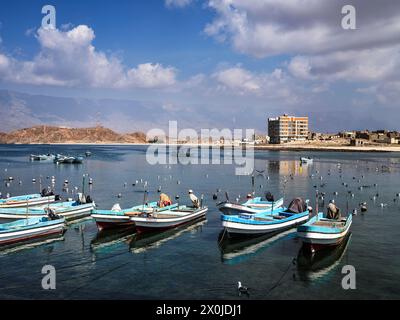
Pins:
x: 251, y: 206
x: 28, y: 229
x: 116, y: 217
x: 69, y: 209
x: 267, y: 221
x: 320, y: 232
x: 26, y: 200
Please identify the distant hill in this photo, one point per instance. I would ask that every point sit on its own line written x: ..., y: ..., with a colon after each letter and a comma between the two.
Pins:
x: 52, y: 134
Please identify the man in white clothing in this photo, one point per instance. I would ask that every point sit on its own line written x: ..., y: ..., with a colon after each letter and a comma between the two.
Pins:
x: 194, y: 199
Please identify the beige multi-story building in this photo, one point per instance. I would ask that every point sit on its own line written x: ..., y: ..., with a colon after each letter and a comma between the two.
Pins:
x: 287, y: 128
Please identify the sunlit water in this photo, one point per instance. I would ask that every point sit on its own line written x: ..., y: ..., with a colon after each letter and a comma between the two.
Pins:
x: 192, y: 262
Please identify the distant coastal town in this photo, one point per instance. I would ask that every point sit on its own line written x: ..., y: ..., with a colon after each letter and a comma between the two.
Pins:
x: 285, y: 132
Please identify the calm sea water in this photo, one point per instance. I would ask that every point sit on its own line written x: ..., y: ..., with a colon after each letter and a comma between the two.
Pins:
x: 192, y: 262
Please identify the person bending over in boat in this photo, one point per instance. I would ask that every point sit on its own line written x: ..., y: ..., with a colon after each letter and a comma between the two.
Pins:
x: 333, y: 211
x: 164, y: 201
x: 194, y: 199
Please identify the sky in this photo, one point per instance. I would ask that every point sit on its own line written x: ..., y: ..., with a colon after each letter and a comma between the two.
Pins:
x: 206, y: 63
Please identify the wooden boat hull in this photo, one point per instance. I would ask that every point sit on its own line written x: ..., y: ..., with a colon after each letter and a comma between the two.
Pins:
x: 25, y: 203
x: 229, y: 208
x: 240, y: 228
x: 318, y: 238
x: 148, y: 224
x: 15, y: 236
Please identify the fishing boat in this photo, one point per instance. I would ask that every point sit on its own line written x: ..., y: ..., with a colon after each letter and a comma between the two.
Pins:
x: 28, y: 229
x: 27, y: 200
x: 266, y: 221
x: 70, y: 210
x: 321, y: 232
x: 67, y: 159
x: 42, y: 157
x: 116, y: 217
x: 251, y: 206
x: 307, y: 160
x: 167, y: 219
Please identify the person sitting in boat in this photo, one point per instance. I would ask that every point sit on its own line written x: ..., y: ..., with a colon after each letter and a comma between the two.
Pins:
x: 194, y: 199
x: 164, y: 201
x: 333, y: 211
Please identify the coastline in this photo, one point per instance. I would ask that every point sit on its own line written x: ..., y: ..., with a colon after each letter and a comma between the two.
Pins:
x: 285, y: 147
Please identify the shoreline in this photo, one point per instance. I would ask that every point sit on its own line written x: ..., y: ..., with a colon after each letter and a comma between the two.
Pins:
x: 295, y: 147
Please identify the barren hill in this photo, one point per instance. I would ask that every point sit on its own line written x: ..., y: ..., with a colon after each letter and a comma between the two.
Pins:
x: 50, y: 134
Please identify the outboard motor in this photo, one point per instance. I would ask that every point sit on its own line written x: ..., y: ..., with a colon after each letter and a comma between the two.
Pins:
x: 269, y: 197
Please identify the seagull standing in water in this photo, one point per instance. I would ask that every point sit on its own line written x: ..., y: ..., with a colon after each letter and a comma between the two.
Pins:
x: 242, y: 290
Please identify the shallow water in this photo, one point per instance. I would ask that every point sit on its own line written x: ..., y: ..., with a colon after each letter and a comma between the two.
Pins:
x: 191, y: 262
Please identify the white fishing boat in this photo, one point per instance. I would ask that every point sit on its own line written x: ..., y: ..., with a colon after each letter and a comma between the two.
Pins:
x: 154, y: 221
x: 267, y: 221
x: 28, y: 229
x: 27, y: 200
x: 70, y: 210
x: 320, y: 232
x: 251, y: 206
x: 117, y: 217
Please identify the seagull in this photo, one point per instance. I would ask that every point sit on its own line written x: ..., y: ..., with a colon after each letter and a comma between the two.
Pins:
x: 242, y: 290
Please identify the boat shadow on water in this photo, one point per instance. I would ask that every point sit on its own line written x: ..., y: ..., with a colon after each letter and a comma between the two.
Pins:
x: 235, y: 250
x: 106, y: 239
x: 30, y: 244
x: 319, y: 265
x: 142, y: 242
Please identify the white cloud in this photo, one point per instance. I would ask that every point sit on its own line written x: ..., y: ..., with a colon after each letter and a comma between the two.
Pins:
x: 266, y: 27
x: 68, y: 58
x: 177, y: 3
x: 276, y: 85
x: 238, y: 79
x: 379, y: 64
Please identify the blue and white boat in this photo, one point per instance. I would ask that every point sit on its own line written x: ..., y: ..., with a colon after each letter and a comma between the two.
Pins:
x: 268, y: 221
x: 117, y: 217
x: 69, y: 210
x: 28, y: 229
x: 251, y: 206
x: 320, y: 232
x: 26, y: 200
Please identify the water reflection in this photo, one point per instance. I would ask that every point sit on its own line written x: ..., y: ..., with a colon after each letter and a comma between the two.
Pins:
x: 106, y: 240
x: 238, y: 250
x: 317, y: 266
x: 145, y: 241
x: 17, y: 247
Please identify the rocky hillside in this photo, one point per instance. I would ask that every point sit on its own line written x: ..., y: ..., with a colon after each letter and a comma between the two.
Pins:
x: 49, y: 134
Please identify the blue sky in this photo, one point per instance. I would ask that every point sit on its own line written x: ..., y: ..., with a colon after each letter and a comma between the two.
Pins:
x: 245, y: 60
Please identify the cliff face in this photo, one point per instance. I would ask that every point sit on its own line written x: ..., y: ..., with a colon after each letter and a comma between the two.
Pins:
x: 48, y: 134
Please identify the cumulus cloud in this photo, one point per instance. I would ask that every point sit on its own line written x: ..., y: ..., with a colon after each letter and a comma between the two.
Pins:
x: 265, y: 85
x: 265, y: 27
x: 68, y: 58
x: 379, y: 64
x: 310, y: 33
